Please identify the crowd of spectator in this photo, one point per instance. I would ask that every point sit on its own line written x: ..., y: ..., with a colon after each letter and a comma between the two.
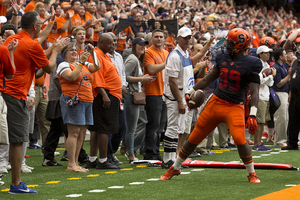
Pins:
x: 101, y: 54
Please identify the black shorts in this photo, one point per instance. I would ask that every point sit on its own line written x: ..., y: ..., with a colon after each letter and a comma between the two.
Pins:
x: 106, y: 120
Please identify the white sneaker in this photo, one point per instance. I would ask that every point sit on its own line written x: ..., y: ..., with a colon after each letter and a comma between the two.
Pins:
x: 25, y: 169
x: 1, y: 183
x: 56, y: 153
x: 8, y: 167
x: 29, y: 167
x: 3, y: 170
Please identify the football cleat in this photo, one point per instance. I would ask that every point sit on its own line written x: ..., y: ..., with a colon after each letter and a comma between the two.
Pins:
x: 170, y: 173
x: 252, y: 177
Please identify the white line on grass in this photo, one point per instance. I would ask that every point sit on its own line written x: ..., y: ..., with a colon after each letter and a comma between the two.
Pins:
x: 136, y: 183
x: 290, y: 185
x: 153, y: 179
x: 97, y: 190
x: 115, y: 187
x: 74, y: 195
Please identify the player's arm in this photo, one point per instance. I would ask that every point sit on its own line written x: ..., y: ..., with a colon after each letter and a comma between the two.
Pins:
x: 175, y: 91
x: 288, y: 44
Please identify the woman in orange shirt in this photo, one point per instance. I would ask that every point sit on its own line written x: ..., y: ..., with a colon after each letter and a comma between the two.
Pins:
x: 77, y: 98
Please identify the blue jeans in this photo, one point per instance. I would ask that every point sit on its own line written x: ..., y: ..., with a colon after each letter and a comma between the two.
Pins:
x: 155, y: 106
x: 114, y: 140
x: 139, y: 136
x: 132, y: 116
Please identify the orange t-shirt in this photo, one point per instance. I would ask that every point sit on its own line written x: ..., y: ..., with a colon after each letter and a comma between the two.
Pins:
x: 122, y: 38
x: 89, y: 30
x: 76, y: 21
x: 256, y: 42
x: 107, y: 76
x: 70, y: 88
x: 40, y: 80
x: 172, y: 41
x: 154, y: 56
x: 28, y: 56
x: 6, y: 67
x: 54, y: 33
x: 29, y: 6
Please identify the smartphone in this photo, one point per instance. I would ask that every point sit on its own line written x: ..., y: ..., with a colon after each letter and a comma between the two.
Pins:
x: 86, y: 48
x: 154, y: 76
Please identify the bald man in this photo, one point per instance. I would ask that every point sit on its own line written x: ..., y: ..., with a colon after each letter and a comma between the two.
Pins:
x: 107, y: 91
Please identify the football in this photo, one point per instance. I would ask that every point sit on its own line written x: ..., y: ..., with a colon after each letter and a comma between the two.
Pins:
x: 267, y: 72
x: 196, y: 99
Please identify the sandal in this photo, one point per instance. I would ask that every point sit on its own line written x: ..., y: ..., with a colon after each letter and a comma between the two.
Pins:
x: 76, y: 170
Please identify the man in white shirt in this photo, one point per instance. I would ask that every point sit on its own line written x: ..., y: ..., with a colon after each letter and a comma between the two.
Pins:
x: 263, y: 113
x: 179, y: 78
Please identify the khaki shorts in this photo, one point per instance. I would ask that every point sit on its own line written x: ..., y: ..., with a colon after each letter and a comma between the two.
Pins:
x: 3, y: 122
x: 263, y: 113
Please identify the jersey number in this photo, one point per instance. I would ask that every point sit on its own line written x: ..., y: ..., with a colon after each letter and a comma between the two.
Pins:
x: 233, y: 75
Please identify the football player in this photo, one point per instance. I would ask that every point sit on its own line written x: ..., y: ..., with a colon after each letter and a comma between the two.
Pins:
x: 237, y: 74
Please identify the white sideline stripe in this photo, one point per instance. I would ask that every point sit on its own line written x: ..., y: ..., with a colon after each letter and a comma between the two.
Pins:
x: 265, y: 154
x: 115, y: 187
x: 97, y: 190
x: 136, y: 183
x: 74, y: 195
x: 185, y: 172
x: 256, y: 156
x: 275, y: 153
x: 153, y: 179
x: 290, y: 185
x: 197, y: 170
x: 283, y: 151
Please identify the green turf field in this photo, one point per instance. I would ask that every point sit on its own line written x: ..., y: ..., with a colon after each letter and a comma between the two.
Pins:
x: 54, y: 183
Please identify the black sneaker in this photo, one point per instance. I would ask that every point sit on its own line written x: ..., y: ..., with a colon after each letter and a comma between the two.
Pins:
x: 167, y: 165
x: 65, y: 156
x: 289, y: 148
x: 83, y: 161
x: 106, y: 165
x: 115, y: 161
x: 91, y: 165
x: 50, y: 163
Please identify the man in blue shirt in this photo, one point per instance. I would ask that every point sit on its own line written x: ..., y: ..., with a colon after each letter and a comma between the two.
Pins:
x: 281, y: 88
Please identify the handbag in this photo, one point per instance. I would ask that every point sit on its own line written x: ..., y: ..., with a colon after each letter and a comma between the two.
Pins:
x: 274, y: 102
x: 139, y: 98
x: 75, y: 99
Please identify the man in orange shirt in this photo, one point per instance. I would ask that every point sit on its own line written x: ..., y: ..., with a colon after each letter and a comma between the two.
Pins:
x: 256, y: 39
x: 154, y: 64
x: 107, y: 90
x: 30, y: 56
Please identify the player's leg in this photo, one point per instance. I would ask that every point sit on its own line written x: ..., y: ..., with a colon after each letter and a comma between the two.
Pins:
x: 236, y: 123
x: 203, y: 127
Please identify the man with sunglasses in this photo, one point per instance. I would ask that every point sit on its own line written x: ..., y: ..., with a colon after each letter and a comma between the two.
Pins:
x: 179, y: 78
x: 30, y: 56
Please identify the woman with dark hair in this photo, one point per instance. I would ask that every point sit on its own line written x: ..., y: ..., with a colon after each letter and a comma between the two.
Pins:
x: 135, y: 78
x: 77, y: 98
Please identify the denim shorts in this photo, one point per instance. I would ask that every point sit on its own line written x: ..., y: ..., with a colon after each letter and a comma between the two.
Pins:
x: 80, y: 114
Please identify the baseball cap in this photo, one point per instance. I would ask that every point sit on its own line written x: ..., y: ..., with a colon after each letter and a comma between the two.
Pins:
x: 210, y: 27
x: 263, y: 49
x: 183, y: 22
x: 184, y: 32
x: 134, y: 5
x: 148, y: 37
x: 164, y: 14
x: 139, y: 40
